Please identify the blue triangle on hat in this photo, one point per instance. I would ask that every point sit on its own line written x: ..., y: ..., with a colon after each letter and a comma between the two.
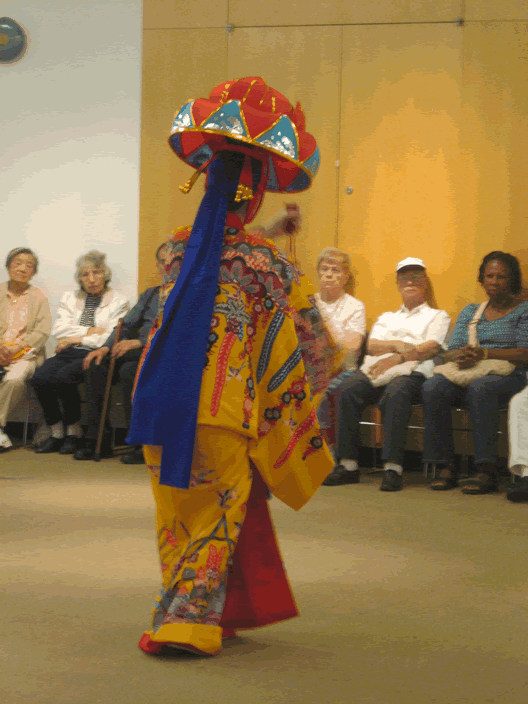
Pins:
x: 273, y: 181
x: 200, y: 156
x: 281, y: 138
x: 300, y: 183
x: 312, y: 163
x: 226, y: 119
x: 184, y: 118
x: 175, y: 140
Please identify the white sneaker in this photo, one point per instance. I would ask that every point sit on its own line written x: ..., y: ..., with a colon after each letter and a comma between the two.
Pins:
x: 5, y: 442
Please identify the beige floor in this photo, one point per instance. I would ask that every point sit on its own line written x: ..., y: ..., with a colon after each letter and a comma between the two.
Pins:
x: 411, y: 597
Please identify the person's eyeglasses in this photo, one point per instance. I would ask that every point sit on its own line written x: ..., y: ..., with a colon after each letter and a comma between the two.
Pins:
x: 411, y: 278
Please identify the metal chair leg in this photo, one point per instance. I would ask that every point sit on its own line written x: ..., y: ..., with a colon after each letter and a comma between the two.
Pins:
x: 26, y: 424
x: 433, y: 469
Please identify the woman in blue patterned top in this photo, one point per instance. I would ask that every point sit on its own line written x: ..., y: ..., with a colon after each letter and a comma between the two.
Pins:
x: 502, y: 332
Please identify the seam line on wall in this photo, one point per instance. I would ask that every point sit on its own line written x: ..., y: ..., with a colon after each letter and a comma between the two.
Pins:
x: 339, y: 24
x: 338, y: 146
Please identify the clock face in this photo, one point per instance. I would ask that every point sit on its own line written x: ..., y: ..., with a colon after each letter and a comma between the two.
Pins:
x: 12, y: 39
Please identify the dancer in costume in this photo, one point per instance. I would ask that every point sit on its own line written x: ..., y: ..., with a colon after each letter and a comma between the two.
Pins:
x: 223, y: 401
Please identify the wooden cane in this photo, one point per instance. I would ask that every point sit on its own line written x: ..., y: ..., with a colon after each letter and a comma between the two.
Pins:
x: 97, y: 453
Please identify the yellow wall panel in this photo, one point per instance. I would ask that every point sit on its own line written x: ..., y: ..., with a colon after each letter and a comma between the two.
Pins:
x: 400, y: 153
x: 166, y: 87
x: 312, y: 12
x: 495, y: 136
x: 429, y: 122
x: 496, y: 10
x: 170, y: 14
x: 302, y: 63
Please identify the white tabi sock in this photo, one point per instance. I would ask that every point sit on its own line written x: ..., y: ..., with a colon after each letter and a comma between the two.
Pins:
x: 57, y: 430
x: 350, y: 465
x: 4, y: 439
x: 395, y: 467
x: 74, y: 429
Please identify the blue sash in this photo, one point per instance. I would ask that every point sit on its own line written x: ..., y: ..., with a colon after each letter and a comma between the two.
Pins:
x: 165, y: 408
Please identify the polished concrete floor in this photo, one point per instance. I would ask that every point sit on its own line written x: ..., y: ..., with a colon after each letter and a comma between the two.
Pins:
x: 411, y: 597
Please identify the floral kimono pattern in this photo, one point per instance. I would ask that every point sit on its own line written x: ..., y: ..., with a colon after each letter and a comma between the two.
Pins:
x: 268, y: 353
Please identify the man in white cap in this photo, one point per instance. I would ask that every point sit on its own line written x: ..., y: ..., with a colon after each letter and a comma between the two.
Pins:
x: 400, y: 349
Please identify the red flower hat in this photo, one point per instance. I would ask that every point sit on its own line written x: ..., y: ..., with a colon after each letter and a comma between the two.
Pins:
x: 254, y: 114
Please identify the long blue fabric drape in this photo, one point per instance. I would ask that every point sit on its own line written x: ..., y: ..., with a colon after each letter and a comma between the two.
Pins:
x: 165, y: 408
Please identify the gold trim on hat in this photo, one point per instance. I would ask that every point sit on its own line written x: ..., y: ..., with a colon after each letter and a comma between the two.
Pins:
x: 248, y: 140
x: 248, y: 91
x: 218, y: 108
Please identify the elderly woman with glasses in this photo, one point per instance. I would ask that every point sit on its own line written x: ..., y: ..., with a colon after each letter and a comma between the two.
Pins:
x: 85, y: 319
x: 25, y: 322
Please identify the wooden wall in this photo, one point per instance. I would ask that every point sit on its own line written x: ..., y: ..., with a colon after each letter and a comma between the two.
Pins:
x: 424, y: 117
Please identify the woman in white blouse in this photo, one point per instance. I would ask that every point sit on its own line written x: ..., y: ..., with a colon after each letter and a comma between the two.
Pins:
x: 85, y: 319
x: 345, y: 317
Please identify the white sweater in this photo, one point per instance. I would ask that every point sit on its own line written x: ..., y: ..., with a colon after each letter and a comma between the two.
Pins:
x: 112, y: 307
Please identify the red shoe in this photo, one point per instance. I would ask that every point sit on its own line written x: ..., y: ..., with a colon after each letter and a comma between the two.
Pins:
x: 149, y: 646
x: 228, y: 633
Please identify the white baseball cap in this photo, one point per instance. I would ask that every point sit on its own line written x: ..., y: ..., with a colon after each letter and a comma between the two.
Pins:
x: 410, y: 261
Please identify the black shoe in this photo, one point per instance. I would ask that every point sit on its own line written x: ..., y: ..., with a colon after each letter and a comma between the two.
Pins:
x: 50, y: 445
x: 518, y: 493
x: 87, y: 451
x: 70, y: 445
x: 392, y: 481
x: 339, y: 475
x: 134, y: 457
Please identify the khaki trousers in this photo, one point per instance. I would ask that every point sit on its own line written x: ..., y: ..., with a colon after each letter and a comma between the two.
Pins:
x: 13, y: 385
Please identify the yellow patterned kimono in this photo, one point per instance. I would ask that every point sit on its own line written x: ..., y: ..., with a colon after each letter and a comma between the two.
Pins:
x: 268, y: 354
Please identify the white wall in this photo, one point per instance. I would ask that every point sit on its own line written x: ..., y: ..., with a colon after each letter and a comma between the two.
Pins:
x: 69, y: 138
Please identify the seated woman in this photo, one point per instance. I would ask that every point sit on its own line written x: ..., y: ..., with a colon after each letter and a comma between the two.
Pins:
x: 502, y: 333
x: 25, y: 323
x: 344, y: 316
x: 85, y: 319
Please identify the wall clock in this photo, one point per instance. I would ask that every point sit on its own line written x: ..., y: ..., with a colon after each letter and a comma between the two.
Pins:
x: 12, y: 39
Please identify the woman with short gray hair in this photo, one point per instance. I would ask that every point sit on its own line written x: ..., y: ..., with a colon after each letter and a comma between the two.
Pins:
x: 85, y: 319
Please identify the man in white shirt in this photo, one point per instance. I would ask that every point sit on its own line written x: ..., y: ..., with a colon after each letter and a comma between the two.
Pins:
x: 404, y: 343
x: 344, y: 316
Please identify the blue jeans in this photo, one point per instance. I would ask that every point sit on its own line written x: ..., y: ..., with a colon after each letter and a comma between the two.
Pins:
x: 484, y: 398
x: 395, y: 400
